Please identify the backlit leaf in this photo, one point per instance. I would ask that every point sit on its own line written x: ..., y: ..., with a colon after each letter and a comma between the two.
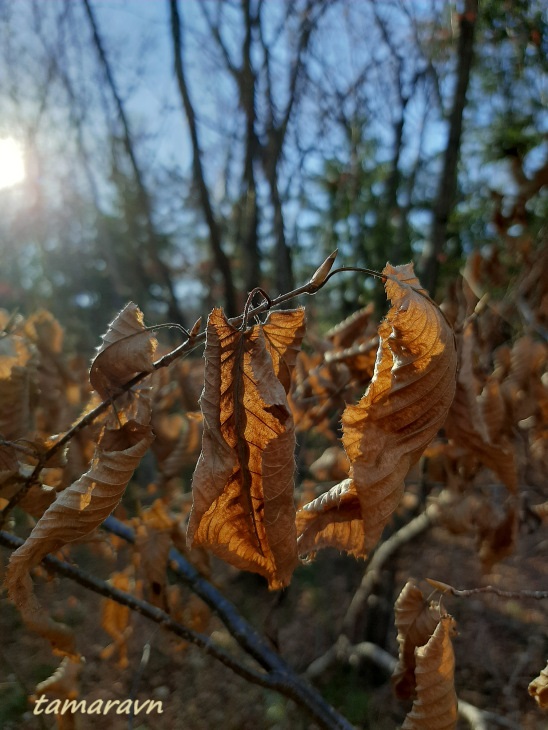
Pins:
x: 386, y: 432
x: 243, y: 483
x: 76, y: 512
x: 468, y: 426
x: 127, y: 349
x: 284, y: 332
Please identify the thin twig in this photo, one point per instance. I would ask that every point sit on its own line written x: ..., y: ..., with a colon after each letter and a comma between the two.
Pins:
x: 465, y: 593
x: 405, y: 534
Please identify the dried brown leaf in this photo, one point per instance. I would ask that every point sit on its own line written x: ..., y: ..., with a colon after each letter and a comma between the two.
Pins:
x: 538, y: 688
x: 153, y: 542
x: 467, y: 426
x: 345, y: 333
x: 243, y: 483
x: 334, y: 519
x: 115, y: 620
x: 401, y: 411
x: 497, y: 534
x: 18, y: 387
x: 284, y: 332
x: 77, y: 511
x: 436, y: 705
x: 127, y: 349
x: 416, y: 621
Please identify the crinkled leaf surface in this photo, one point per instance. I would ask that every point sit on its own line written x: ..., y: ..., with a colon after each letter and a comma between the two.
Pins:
x: 76, y: 512
x: 436, y: 705
x: 153, y: 541
x: 127, y: 349
x: 386, y: 432
x: 416, y: 621
x: 243, y: 483
x: 284, y: 332
x: 470, y: 425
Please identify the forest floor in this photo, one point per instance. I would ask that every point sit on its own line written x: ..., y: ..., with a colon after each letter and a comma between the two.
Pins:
x: 500, y: 647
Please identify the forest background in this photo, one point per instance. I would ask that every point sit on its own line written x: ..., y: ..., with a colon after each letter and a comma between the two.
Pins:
x: 181, y: 154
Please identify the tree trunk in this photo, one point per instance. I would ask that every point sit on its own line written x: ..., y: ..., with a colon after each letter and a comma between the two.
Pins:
x: 145, y: 203
x: 448, y: 181
x: 222, y: 261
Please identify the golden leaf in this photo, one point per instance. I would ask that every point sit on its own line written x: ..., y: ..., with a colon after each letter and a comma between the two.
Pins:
x: 127, y: 349
x: 345, y: 333
x: 115, y: 620
x: 284, y: 332
x: 153, y: 541
x: 18, y: 386
x: 436, y: 705
x: 416, y: 621
x: 76, y: 512
x: 467, y: 426
x: 243, y: 483
x: 538, y: 688
x: 385, y: 434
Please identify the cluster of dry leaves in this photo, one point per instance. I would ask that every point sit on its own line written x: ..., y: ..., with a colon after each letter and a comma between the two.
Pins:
x: 260, y: 389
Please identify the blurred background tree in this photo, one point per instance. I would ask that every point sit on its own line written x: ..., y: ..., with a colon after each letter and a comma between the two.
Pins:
x: 179, y: 154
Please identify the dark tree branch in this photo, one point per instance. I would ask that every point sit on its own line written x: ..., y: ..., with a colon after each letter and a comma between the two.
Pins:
x: 278, y: 676
x: 145, y: 202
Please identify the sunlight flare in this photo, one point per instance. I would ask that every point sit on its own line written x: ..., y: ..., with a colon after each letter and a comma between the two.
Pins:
x: 12, y: 164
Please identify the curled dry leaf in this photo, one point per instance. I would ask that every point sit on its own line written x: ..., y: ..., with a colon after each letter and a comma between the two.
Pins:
x: 435, y: 707
x: 115, y: 621
x: 538, y: 688
x: 18, y: 386
x: 9, y: 464
x: 345, y: 333
x: 153, y: 541
x: 243, y: 483
x: 403, y: 408
x: 77, y: 511
x: 473, y: 419
x: 416, y: 621
x: 127, y: 349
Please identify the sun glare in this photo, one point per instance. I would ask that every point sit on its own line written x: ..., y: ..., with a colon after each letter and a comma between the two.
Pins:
x: 12, y: 164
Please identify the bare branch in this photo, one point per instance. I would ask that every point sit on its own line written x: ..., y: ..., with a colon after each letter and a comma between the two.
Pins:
x: 466, y: 593
x: 279, y: 677
x: 144, y: 197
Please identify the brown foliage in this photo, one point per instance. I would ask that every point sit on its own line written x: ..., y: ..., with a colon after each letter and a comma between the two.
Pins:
x: 436, y: 705
x: 243, y: 484
x: 259, y: 388
x: 386, y: 433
